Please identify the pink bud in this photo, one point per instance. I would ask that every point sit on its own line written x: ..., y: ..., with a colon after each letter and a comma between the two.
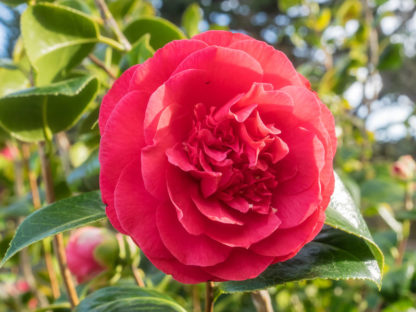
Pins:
x: 80, y: 252
x: 404, y: 168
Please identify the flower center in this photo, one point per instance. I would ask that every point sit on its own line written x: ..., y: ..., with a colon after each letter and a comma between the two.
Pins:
x: 235, y: 155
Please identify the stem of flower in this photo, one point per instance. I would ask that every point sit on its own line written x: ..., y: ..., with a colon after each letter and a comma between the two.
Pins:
x: 100, y: 64
x: 406, y: 225
x: 209, y: 297
x: 109, y: 19
x: 58, y: 239
x: 37, y: 204
x: 262, y: 301
x: 196, y: 304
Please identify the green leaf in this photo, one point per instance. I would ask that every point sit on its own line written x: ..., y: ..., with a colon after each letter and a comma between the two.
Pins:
x: 286, y: 4
x: 343, y: 250
x: 333, y: 254
x: 140, y: 52
x: 12, y: 80
x: 161, y: 31
x: 127, y: 299
x: 191, y: 18
x: 27, y: 114
x: 85, y: 177
x: 343, y: 214
x: 56, y: 39
x: 63, y: 215
x: 392, y: 57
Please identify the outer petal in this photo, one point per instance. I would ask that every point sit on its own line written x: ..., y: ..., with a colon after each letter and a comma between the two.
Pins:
x: 157, y: 70
x: 278, y: 69
x: 117, y: 91
x: 120, y: 143
x: 241, y: 265
x: 136, y: 211
x: 188, y: 249
x: 220, y: 37
x: 285, y: 241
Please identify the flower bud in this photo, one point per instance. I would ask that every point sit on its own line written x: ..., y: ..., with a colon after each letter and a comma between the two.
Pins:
x: 90, y: 251
x: 404, y: 167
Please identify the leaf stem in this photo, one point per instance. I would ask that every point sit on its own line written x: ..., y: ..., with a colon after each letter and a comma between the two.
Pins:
x: 100, y: 64
x: 262, y: 301
x: 112, y: 43
x: 109, y: 19
x: 37, y: 204
x: 58, y: 239
x: 209, y: 297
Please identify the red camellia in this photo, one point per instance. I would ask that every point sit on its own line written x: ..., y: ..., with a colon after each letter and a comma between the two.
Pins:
x: 216, y: 157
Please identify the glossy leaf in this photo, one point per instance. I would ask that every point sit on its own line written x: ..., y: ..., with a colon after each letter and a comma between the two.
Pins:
x: 191, y: 18
x: 140, y: 52
x: 56, y: 39
x: 343, y: 250
x: 63, y: 215
x: 12, y: 79
x: 127, y: 299
x: 27, y: 114
x: 333, y: 254
x: 161, y: 31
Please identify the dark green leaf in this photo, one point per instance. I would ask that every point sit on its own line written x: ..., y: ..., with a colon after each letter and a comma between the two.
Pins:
x: 56, y: 39
x: 58, y: 217
x: 191, y: 18
x: 343, y: 250
x: 392, y: 57
x: 333, y: 254
x: 161, y: 31
x: 127, y: 299
x: 27, y: 114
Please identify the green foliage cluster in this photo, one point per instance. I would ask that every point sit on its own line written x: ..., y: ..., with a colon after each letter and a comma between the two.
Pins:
x: 67, y: 56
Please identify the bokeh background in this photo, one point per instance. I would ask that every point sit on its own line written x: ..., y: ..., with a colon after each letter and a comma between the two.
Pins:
x: 360, y: 56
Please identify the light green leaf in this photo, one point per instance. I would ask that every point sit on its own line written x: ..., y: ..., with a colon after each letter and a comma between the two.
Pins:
x: 139, y: 53
x: 27, y: 114
x: 63, y: 215
x: 161, y: 31
x: 127, y: 299
x: 191, y: 18
x: 343, y: 250
x: 56, y: 39
x: 12, y: 79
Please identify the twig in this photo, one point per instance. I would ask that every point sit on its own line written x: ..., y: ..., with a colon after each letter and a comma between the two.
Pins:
x: 196, y: 304
x: 209, y: 297
x: 100, y: 64
x: 136, y: 275
x: 37, y: 204
x: 108, y: 17
x: 262, y: 301
x: 58, y: 239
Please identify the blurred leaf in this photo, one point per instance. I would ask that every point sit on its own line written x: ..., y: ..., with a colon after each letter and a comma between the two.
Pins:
x: 406, y: 215
x: 27, y: 114
x: 85, y: 177
x: 20, y: 208
x: 286, y: 4
x: 323, y: 20
x: 191, y: 18
x: 345, y: 250
x: 139, y: 53
x: 56, y: 39
x: 63, y: 215
x: 350, y: 9
x: 392, y: 57
x: 127, y: 299
x: 12, y: 80
x: 161, y: 31
x: 13, y: 2
x: 76, y: 5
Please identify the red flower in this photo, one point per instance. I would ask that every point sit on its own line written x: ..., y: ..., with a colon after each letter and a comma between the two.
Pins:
x: 80, y: 252
x: 216, y: 158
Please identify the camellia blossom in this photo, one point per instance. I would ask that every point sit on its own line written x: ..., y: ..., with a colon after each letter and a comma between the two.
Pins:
x: 82, y: 257
x: 216, y: 157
